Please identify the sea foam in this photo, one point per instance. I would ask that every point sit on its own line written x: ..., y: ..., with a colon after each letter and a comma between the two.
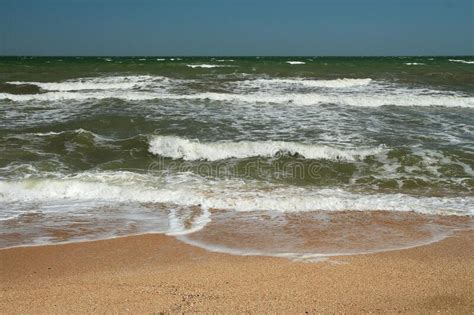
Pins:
x: 296, y: 62
x: 462, y: 61
x: 363, y: 92
x: 181, y: 148
x: 336, y: 83
x: 99, y: 83
x: 208, y: 66
x: 237, y: 195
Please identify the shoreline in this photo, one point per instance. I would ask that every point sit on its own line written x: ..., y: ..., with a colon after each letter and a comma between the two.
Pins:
x: 158, y: 273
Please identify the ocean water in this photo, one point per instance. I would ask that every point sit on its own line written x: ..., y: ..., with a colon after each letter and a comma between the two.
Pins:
x: 95, y: 148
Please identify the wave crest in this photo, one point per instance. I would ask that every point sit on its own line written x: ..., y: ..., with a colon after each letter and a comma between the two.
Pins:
x: 208, y: 66
x: 335, y: 83
x: 188, y: 190
x: 190, y: 150
x: 99, y: 83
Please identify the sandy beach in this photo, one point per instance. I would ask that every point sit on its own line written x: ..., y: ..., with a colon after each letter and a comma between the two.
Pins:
x: 236, y: 157
x: 156, y: 273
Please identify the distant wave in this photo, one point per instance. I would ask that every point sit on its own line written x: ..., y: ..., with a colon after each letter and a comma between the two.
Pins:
x: 181, y: 148
x: 296, y: 62
x: 361, y: 92
x: 462, y: 61
x: 335, y: 83
x: 207, y: 66
x: 415, y: 64
x: 99, y: 83
x: 296, y: 99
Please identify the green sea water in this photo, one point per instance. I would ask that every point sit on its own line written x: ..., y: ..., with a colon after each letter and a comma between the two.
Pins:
x: 290, y: 134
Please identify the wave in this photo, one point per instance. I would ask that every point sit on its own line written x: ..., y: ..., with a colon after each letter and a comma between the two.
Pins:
x: 348, y: 100
x: 181, y: 148
x: 79, y: 131
x: 296, y: 62
x: 255, y: 98
x: 364, y: 92
x: 208, y: 66
x: 336, y: 83
x: 415, y: 64
x: 462, y: 61
x: 295, y: 99
x: 236, y: 195
x: 100, y: 83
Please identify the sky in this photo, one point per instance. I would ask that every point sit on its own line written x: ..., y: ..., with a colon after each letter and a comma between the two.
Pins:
x: 236, y: 27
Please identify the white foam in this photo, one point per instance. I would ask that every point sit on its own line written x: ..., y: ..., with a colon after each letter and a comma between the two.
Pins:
x: 296, y: 62
x: 462, y: 61
x: 415, y: 64
x: 181, y: 148
x: 177, y: 226
x: 349, y: 100
x: 255, y: 98
x: 47, y: 134
x: 281, y: 83
x: 363, y: 92
x: 98, y: 83
x: 207, y: 66
x: 238, y: 195
x: 308, y: 256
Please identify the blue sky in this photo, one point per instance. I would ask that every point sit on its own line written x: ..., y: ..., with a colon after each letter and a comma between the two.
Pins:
x: 236, y: 27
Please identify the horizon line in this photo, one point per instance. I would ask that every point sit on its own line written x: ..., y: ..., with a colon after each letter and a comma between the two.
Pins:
x: 230, y: 56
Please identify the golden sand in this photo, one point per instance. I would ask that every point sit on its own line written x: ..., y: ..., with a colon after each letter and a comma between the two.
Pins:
x: 156, y: 273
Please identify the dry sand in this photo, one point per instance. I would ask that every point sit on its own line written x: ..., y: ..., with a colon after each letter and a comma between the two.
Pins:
x: 156, y: 273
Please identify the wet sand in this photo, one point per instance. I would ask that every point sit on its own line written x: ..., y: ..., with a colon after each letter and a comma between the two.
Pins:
x: 156, y: 273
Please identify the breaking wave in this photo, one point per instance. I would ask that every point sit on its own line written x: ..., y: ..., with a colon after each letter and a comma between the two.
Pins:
x: 191, y: 150
x: 362, y: 92
x: 462, y: 61
x: 296, y: 62
x: 296, y: 99
x: 208, y: 66
x: 188, y: 190
x: 100, y: 83
x: 336, y: 83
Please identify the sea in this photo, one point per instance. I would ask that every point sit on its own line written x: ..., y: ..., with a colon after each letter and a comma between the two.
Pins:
x: 298, y: 157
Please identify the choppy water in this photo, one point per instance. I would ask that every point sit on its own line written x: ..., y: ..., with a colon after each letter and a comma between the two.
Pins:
x: 154, y: 144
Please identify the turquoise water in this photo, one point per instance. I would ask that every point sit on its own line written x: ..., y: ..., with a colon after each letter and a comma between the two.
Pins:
x: 140, y: 143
